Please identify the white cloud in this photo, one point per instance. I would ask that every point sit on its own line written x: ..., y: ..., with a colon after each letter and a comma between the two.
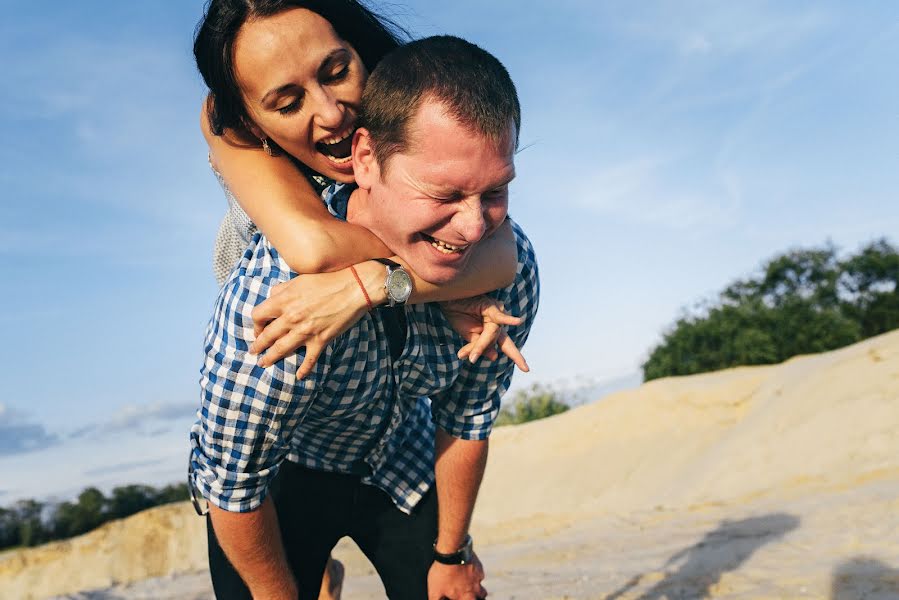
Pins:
x: 761, y: 29
x: 696, y: 43
x: 642, y: 191
x: 139, y: 417
x: 20, y: 437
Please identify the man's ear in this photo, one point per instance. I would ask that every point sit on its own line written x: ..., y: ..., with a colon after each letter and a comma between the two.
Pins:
x: 365, y: 166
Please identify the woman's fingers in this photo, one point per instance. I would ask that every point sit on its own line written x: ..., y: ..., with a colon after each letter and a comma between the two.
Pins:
x: 277, y: 289
x: 284, y: 346
x: 279, y: 341
x: 313, y: 351
x: 265, y: 312
x: 511, y: 350
x: 271, y: 332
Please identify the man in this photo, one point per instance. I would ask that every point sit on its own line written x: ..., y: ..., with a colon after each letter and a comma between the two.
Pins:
x: 354, y: 445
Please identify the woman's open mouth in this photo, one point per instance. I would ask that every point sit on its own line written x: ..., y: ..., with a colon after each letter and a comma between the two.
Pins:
x: 338, y: 149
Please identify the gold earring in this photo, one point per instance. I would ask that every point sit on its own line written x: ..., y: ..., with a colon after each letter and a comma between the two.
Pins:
x: 267, y: 147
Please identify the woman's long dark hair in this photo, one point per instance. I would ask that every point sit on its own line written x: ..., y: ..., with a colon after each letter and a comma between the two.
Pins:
x: 371, y: 35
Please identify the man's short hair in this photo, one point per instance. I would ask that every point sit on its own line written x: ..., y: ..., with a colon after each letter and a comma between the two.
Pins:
x: 469, y: 82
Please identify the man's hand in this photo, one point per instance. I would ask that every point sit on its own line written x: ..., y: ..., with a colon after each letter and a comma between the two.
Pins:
x: 456, y: 582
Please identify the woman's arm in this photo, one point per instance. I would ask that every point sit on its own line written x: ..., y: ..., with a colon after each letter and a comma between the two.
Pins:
x: 492, y: 266
x: 311, y: 310
x: 283, y: 205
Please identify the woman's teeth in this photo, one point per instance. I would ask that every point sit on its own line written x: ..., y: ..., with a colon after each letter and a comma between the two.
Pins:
x: 446, y: 248
x: 338, y: 139
x: 339, y: 147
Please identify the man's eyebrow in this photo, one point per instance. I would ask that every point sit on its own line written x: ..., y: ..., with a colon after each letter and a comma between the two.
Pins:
x: 445, y: 192
x: 506, y: 181
x: 287, y: 86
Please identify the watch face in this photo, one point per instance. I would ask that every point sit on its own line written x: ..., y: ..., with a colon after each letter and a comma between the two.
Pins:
x: 399, y: 286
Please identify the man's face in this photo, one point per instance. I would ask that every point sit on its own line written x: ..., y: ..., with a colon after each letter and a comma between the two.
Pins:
x: 444, y: 194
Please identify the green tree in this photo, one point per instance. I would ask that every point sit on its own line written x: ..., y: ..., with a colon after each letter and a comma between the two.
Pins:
x: 174, y: 492
x: 871, y: 279
x: 29, y: 522
x: 127, y: 500
x: 66, y: 519
x: 726, y: 335
x: 537, y: 402
x: 74, y: 518
x: 9, y: 528
x: 31, y: 530
x: 802, y: 301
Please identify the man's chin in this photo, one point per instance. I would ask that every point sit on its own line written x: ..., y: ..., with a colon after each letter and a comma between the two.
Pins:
x: 432, y: 265
x: 437, y: 274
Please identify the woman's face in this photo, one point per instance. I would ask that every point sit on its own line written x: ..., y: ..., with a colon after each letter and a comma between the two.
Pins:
x: 302, y: 86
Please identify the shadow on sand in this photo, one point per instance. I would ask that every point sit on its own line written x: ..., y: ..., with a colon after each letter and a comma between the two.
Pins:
x: 864, y: 578
x: 721, y: 550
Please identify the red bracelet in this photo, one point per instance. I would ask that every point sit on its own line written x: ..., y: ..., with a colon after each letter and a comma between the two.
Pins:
x: 362, y: 287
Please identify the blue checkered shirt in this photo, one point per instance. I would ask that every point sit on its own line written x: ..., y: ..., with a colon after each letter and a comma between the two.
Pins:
x: 359, y: 411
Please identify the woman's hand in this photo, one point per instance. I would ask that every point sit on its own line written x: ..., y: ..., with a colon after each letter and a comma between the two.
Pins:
x: 309, y: 310
x: 481, y: 320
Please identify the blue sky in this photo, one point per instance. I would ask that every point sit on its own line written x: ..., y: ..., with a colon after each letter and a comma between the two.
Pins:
x: 668, y: 148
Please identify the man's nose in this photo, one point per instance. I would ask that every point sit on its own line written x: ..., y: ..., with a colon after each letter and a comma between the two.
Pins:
x: 471, y: 221
x: 329, y: 112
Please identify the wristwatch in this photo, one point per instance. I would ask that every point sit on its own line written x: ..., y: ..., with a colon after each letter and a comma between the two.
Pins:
x: 398, y: 283
x: 462, y: 556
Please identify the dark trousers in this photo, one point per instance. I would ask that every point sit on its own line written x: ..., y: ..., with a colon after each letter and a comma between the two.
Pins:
x: 316, y: 509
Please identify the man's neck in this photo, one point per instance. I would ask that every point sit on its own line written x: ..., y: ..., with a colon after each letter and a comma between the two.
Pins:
x: 358, y: 210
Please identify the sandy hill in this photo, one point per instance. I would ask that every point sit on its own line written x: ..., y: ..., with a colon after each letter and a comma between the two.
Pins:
x: 779, y: 481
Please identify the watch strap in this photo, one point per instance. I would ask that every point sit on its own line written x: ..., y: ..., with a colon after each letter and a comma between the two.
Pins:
x: 389, y: 263
x: 462, y: 556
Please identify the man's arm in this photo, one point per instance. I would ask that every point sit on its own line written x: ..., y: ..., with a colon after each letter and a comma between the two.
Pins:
x: 464, y: 415
x: 247, y: 418
x: 459, y: 469
x: 252, y: 543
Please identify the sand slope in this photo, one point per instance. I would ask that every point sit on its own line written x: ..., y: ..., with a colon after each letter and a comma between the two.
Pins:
x: 765, y: 482
x: 816, y: 421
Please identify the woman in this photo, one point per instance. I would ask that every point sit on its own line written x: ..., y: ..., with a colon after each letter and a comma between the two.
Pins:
x: 285, y: 80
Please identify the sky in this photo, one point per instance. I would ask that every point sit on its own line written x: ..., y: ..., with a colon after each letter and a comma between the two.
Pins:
x: 667, y: 148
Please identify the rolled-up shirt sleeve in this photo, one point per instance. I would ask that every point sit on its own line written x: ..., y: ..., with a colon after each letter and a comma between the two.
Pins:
x: 247, y: 413
x: 468, y: 408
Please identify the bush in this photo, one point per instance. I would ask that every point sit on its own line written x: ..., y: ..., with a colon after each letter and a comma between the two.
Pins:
x: 30, y: 522
x: 801, y: 302
x: 537, y: 402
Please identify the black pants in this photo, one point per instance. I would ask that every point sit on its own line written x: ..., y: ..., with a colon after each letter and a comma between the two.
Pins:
x: 316, y: 509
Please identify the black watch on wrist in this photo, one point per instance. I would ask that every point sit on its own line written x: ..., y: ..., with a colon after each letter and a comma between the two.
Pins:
x: 398, y: 283
x: 462, y: 556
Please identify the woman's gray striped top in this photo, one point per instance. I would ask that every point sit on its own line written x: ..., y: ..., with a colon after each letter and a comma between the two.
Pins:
x: 236, y: 230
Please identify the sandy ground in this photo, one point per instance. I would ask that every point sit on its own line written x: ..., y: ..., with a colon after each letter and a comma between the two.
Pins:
x: 771, y: 482
x: 837, y: 544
